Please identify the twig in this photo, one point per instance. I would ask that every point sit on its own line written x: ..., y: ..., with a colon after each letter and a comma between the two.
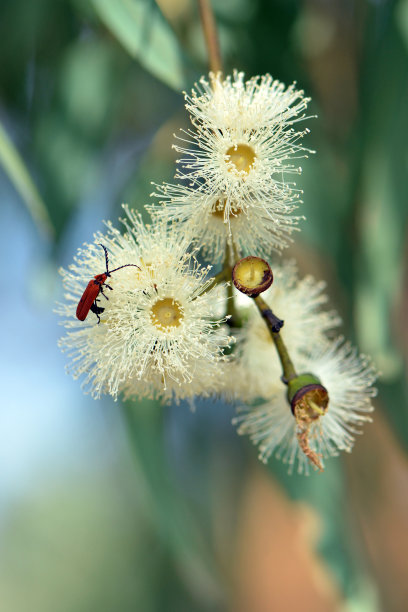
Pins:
x: 210, y: 35
x: 274, y: 325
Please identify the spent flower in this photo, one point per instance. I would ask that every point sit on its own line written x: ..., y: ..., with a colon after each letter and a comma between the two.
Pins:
x: 300, y: 302
x: 347, y: 377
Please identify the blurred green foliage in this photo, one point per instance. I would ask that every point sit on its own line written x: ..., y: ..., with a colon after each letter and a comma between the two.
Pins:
x: 88, y: 100
x: 145, y: 34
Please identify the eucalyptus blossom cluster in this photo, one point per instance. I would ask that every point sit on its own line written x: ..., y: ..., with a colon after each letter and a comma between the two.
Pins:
x: 173, y: 327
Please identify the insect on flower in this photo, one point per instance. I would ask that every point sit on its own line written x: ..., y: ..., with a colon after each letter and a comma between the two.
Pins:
x: 95, y: 286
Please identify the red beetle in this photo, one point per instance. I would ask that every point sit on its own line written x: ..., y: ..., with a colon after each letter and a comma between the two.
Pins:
x: 95, y: 286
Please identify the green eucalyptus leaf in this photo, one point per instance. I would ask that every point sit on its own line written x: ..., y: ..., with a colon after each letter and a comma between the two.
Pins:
x: 382, y: 214
x: 401, y: 19
x: 141, y: 28
x: 17, y: 171
x: 169, y: 514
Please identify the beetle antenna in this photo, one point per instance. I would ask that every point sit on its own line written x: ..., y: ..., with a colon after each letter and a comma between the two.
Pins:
x: 106, y: 258
x: 125, y: 266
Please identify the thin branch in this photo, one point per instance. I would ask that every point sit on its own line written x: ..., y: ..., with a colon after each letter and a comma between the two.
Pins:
x: 235, y: 252
x: 288, y: 368
x: 216, y: 280
x: 234, y: 320
x: 210, y: 35
x: 274, y: 325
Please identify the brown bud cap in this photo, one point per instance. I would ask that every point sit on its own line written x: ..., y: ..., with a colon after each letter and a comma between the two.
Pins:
x: 252, y: 275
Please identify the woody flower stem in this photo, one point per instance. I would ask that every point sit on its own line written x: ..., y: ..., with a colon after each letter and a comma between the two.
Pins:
x: 210, y: 35
x: 231, y: 308
x: 288, y: 368
x: 274, y: 325
x: 214, y: 58
x: 218, y: 278
x: 308, y: 399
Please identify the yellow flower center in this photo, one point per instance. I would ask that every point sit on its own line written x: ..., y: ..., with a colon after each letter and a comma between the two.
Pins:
x: 242, y: 156
x: 166, y: 312
x: 218, y: 209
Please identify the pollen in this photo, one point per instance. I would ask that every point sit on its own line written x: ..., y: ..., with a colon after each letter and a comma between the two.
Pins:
x: 242, y: 157
x: 167, y: 312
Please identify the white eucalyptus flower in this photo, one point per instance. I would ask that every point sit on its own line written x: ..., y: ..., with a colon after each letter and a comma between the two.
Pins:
x: 244, y: 147
x: 348, y: 379
x: 207, y: 380
x: 256, y: 230
x: 158, y: 331
x: 258, y: 101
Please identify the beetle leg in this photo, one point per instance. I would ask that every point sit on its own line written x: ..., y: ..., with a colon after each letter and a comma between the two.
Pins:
x: 101, y: 291
x: 97, y: 310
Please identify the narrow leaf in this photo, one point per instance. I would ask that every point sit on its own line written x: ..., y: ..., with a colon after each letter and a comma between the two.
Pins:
x: 14, y: 166
x: 143, y: 31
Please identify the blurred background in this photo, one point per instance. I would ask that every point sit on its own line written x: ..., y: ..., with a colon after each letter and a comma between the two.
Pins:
x: 106, y: 506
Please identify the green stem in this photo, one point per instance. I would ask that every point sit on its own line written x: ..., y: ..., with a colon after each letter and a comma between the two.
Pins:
x: 231, y: 308
x: 288, y: 368
x: 235, y: 253
x: 166, y: 512
x: 235, y: 320
x: 274, y: 325
x: 216, y: 280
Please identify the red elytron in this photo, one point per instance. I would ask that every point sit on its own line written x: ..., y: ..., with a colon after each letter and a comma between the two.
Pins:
x: 89, y: 299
